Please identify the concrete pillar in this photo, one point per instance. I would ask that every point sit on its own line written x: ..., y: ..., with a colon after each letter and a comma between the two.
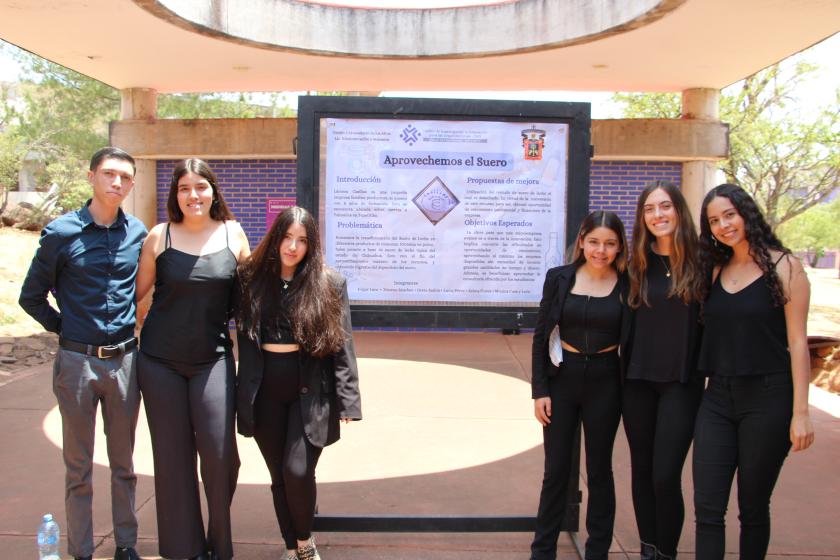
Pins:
x: 141, y: 104
x: 138, y: 104
x: 142, y: 201
x: 699, y: 176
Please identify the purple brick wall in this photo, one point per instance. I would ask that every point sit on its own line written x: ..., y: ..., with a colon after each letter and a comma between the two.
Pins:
x: 615, y: 185
x: 245, y: 183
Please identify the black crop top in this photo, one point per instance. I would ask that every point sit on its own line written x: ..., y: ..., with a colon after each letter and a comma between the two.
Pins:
x: 744, y: 334
x: 665, y: 334
x: 591, y: 324
x: 275, y: 327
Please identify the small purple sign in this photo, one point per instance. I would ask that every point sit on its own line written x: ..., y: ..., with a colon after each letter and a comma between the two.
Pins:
x: 273, y: 207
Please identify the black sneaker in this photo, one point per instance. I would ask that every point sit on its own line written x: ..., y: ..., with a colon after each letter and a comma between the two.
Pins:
x: 126, y: 554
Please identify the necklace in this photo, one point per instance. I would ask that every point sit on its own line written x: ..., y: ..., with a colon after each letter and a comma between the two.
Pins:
x: 285, y: 283
x: 665, y: 264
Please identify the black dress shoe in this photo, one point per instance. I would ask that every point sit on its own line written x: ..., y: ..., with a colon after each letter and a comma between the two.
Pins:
x: 83, y: 558
x: 126, y: 554
x: 202, y: 556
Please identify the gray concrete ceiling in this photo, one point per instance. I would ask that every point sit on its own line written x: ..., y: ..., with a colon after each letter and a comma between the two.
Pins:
x: 648, y: 45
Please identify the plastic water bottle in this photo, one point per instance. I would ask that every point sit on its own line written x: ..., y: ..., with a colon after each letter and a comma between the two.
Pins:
x: 48, y: 539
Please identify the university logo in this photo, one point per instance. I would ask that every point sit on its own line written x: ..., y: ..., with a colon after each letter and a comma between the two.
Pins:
x: 435, y: 200
x: 533, y: 140
x: 410, y: 135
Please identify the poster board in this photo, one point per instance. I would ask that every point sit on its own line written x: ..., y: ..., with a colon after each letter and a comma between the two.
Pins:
x: 443, y: 213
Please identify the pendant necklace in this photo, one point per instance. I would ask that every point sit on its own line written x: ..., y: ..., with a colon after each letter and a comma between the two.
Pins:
x: 665, y: 264
x: 286, y: 283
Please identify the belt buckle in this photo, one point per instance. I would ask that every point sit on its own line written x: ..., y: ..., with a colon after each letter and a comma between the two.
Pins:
x: 101, y: 349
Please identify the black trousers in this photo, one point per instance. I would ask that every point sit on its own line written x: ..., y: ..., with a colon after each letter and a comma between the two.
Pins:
x: 289, y: 456
x: 659, y: 423
x: 584, y: 390
x: 744, y: 426
x: 190, y: 409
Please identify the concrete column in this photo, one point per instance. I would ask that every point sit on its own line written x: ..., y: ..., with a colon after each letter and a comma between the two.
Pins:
x: 138, y: 104
x: 141, y: 104
x: 698, y: 177
x: 142, y: 201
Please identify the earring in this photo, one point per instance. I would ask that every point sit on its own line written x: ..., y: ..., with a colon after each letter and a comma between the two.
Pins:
x: 714, y: 240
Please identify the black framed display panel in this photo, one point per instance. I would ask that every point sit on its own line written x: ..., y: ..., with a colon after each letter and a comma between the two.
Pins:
x: 311, y: 111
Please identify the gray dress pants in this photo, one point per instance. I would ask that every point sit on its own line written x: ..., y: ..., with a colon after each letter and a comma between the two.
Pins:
x: 80, y: 383
x: 190, y: 410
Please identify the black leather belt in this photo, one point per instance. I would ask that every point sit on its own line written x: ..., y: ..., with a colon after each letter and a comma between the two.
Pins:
x: 100, y: 352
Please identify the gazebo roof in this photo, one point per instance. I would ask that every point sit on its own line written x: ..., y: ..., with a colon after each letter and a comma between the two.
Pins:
x: 275, y: 45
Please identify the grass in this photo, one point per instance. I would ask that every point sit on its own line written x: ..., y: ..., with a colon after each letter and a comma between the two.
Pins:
x: 16, y: 250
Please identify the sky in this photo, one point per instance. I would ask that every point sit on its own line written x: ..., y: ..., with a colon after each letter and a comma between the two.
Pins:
x: 820, y: 91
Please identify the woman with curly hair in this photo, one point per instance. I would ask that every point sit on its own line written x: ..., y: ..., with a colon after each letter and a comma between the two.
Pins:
x: 582, y: 323
x: 297, y: 366
x: 662, y: 390
x: 755, y: 353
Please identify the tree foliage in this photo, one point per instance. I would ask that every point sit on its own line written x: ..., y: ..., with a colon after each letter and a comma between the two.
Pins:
x: 61, y: 117
x: 814, y: 232
x: 784, y: 155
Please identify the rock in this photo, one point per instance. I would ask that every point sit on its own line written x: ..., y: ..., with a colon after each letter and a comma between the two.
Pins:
x: 33, y: 343
x: 33, y: 361
x: 6, y: 349
x: 824, y: 351
x: 23, y: 352
x: 7, y: 360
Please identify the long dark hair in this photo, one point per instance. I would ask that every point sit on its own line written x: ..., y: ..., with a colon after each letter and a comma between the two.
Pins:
x: 609, y: 220
x: 314, y: 304
x: 686, y: 277
x: 218, y: 210
x: 757, y: 231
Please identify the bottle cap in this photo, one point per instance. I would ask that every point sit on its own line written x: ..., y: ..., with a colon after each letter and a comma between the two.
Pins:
x: 48, y: 517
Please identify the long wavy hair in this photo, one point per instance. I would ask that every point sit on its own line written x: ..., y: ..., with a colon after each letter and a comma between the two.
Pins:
x: 760, y: 237
x: 609, y: 220
x: 219, y: 210
x: 686, y: 276
x: 314, y: 304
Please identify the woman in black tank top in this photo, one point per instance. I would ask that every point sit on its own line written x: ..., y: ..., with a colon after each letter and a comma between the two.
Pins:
x: 185, y: 367
x: 755, y: 352
x: 575, y: 377
x: 297, y: 367
x: 661, y: 389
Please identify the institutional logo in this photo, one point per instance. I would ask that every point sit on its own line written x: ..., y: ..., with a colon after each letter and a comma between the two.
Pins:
x: 435, y: 200
x: 533, y: 140
x: 410, y: 135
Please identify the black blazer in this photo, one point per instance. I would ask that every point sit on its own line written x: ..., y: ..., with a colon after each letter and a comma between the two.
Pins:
x: 558, y: 283
x: 329, y: 387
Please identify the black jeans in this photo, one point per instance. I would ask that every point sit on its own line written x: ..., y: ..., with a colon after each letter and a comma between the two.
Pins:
x: 744, y: 426
x: 587, y: 390
x: 288, y: 454
x: 659, y: 423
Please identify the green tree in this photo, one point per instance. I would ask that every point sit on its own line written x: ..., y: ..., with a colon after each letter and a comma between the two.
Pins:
x: 222, y: 105
x: 814, y: 231
x: 64, y: 119
x: 786, y: 158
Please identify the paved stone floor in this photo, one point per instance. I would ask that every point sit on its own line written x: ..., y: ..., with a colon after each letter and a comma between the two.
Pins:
x: 448, y: 430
